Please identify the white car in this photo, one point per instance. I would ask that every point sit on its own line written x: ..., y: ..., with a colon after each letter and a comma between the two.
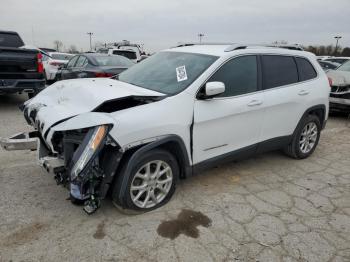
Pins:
x: 53, y: 62
x: 178, y: 112
x: 323, y: 57
x: 340, y: 92
x: 338, y: 60
x: 128, y: 53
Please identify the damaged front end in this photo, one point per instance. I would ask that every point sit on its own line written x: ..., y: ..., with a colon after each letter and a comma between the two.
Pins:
x: 84, y: 160
x: 340, y: 90
x: 340, y: 98
x: 83, y: 171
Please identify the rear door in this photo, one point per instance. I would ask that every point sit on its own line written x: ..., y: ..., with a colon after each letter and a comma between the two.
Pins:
x: 67, y: 72
x: 232, y: 121
x: 282, y: 96
x: 79, y: 68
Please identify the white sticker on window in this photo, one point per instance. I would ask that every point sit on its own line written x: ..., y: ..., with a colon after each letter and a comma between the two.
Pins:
x: 181, y: 73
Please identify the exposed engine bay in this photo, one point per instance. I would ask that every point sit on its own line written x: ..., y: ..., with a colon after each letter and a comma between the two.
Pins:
x: 84, y: 160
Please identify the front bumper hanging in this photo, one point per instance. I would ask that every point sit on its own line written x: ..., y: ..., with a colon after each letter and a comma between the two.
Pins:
x: 21, y: 141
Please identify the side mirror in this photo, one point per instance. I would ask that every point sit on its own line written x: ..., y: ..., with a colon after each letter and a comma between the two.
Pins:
x: 213, y: 89
x: 62, y: 66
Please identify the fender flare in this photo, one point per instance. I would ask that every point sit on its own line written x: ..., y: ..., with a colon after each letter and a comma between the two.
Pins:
x: 307, y: 112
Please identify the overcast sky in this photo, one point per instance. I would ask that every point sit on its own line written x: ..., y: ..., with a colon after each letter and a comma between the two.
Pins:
x: 159, y: 24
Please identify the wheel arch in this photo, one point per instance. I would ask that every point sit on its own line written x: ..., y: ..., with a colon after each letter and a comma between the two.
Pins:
x: 317, y: 110
x: 172, y: 143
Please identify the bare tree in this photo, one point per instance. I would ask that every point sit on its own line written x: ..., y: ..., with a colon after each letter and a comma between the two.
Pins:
x: 98, y: 45
x: 346, y: 51
x: 58, y: 44
x: 321, y: 50
x: 73, y: 49
x: 330, y: 50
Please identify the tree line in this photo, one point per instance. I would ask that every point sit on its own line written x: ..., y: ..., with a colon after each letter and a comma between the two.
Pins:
x: 328, y: 50
x: 319, y: 50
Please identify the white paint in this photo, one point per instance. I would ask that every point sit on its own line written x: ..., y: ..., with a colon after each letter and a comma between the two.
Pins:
x: 220, y: 125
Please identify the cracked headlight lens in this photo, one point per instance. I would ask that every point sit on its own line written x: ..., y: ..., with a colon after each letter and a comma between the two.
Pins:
x: 93, y: 144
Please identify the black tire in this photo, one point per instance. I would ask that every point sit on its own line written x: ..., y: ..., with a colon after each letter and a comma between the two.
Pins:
x: 121, y: 194
x: 293, y: 149
x: 31, y: 95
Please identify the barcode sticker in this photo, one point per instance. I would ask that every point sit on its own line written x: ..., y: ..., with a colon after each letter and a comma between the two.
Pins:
x: 181, y: 73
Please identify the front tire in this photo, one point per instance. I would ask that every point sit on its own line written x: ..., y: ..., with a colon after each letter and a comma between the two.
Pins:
x: 150, y: 183
x: 31, y: 95
x: 305, y: 138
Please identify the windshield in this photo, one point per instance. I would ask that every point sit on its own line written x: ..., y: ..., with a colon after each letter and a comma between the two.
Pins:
x: 344, y: 67
x: 168, y: 72
x: 127, y: 54
x: 113, y: 60
x: 61, y: 56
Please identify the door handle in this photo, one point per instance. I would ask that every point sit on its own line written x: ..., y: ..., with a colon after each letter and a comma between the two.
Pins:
x: 303, y: 93
x: 255, y: 103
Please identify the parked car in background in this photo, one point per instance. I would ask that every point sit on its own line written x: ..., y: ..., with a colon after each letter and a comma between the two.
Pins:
x: 90, y: 65
x: 177, y: 113
x: 339, y: 60
x: 54, y: 61
x: 327, y: 65
x: 130, y: 54
x: 340, y: 88
x: 323, y: 57
x: 131, y: 51
x: 21, y: 69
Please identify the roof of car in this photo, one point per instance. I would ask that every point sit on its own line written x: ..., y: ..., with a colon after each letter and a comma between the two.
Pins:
x: 8, y: 32
x: 95, y: 54
x: 228, y: 50
x: 59, y: 53
x: 339, y: 57
x: 124, y: 50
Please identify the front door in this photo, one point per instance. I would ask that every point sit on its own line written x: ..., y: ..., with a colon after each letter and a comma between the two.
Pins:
x: 233, y: 120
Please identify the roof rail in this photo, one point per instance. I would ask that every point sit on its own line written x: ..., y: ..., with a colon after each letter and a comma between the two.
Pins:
x: 245, y: 46
x: 233, y: 47
x: 182, y: 44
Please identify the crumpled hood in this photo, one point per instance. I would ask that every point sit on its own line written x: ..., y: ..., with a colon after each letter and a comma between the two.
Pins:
x: 69, y: 98
x: 339, y: 78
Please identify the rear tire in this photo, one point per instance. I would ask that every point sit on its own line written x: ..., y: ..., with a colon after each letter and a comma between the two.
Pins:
x: 31, y: 95
x: 150, y: 183
x: 305, y: 138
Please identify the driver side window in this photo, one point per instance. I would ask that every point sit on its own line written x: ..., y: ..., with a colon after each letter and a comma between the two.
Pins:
x: 240, y: 76
x: 71, y: 62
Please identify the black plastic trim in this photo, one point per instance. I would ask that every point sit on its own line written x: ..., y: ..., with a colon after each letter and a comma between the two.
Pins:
x: 316, y: 107
x: 225, y: 158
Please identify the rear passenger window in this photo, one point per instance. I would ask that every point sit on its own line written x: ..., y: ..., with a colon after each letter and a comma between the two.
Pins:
x: 279, y: 71
x: 82, y: 61
x: 239, y: 76
x: 306, y: 70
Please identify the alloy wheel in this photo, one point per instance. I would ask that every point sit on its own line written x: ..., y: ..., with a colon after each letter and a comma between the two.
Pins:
x: 308, y: 137
x: 151, y: 184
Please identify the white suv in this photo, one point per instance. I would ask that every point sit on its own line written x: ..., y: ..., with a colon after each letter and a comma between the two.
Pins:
x: 179, y: 111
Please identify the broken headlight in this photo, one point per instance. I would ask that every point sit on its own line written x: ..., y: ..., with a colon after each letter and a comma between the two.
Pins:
x: 93, y: 141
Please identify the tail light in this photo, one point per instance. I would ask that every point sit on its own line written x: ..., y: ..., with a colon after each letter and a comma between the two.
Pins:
x: 102, y: 74
x: 53, y: 63
x: 39, y: 58
x: 330, y: 81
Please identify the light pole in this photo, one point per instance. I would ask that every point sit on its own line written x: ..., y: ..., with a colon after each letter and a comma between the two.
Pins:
x: 200, y: 35
x: 336, y: 45
x: 90, y: 34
